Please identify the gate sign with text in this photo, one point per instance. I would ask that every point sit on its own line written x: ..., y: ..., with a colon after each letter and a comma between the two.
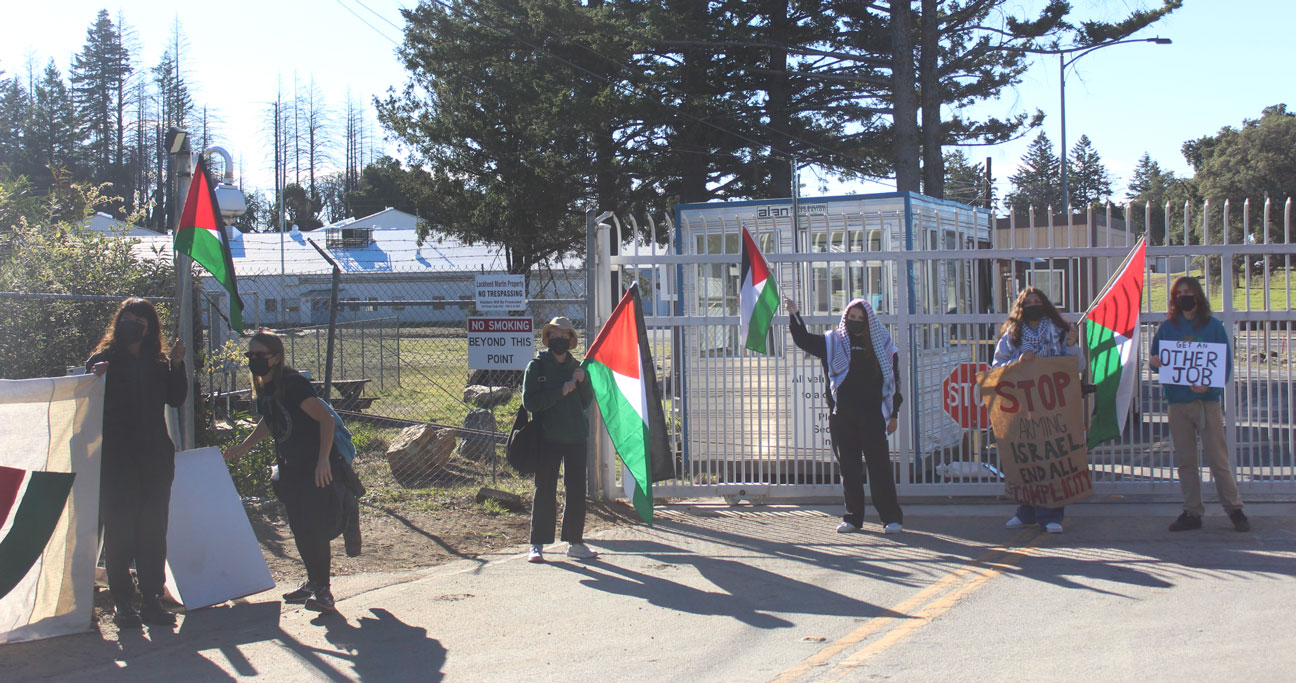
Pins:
x: 1039, y: 421
x: 810, y: 408
x: 960, y: 397
x: 501, y: 292
x: 1193, y: 363
x: 500, y: 343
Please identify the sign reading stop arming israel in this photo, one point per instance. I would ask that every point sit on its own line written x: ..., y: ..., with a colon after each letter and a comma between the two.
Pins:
x: 1197, y: 364
x: 500, y: 343
x: 1038, y: 419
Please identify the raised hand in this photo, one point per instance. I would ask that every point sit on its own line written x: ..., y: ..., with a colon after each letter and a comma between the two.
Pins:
x: 791, y: 306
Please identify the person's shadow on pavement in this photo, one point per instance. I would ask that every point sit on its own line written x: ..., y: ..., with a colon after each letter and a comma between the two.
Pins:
x: 383, y: 647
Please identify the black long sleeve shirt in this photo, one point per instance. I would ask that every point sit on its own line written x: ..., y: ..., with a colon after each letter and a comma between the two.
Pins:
x: 862, y: 389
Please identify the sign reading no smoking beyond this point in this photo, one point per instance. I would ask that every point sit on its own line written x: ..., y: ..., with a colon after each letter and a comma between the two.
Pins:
x: 961, y: 397
x: 500, y: 343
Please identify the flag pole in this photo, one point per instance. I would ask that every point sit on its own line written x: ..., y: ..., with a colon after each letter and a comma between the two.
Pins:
x: 184, y: 294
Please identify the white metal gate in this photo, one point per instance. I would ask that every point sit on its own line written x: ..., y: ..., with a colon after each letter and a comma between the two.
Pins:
x: 941, y: 276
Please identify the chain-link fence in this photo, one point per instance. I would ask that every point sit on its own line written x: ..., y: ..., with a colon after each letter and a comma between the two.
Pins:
x: 425, y: 423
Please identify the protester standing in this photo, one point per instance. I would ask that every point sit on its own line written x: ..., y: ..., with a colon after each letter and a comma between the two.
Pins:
x: 1197, y: 412
x: 1035, y: 329
x: 557, y: 392
x: 862, y: 365
x: 138, y: 457
x: 310, y: 476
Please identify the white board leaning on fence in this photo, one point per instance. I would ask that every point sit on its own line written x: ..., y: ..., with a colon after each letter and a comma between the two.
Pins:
x: 212, y: 554
x: 1193, y: 363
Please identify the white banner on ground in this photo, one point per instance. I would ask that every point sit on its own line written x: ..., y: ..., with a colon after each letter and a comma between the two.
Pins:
x: 51, y: 430
x: 212, y: 553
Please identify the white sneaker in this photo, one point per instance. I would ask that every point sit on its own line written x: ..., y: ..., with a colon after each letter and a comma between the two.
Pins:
x: 581, y: 551
x: 892, y: 528
x: 1015, y: 523
x: 536, y: 554
x: 846, y: 528
x: 1053, y: 528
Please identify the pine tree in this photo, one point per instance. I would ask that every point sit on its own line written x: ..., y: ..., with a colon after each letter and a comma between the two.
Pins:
x: 15, y: 109
x: 99, y: 78
x: 1088, y: 180
x: 53, y: 140
x: 964, y: 180
x: 1037, y: 182
x: 1148, y: 179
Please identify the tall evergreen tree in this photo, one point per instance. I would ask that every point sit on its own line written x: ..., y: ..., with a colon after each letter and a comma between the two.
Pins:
x: 1088, y: 180
x: 99, y: 76
x: 1036, y: 183
x: 964, y: 181
x: 1148, y: 192
x: 54, y: 139
x: 15, y: 109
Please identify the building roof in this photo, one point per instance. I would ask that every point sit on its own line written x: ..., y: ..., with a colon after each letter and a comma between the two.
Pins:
x: 102, y: 222
x: 391, y: 247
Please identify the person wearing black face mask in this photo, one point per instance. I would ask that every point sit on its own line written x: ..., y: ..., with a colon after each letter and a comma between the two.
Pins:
x: 1196, y: 412
x: 138, y: 458
x: 312, y: 475
x: 556, y: 391
x: 1035, y: 329
x: 862, y: 366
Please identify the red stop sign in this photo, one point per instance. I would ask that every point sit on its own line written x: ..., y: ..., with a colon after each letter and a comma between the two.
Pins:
x: 961, y: 397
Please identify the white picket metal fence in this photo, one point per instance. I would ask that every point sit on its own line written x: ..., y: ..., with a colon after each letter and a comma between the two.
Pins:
x: 942, y: 277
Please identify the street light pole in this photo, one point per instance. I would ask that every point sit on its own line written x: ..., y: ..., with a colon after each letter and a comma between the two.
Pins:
x: 1063, y: 63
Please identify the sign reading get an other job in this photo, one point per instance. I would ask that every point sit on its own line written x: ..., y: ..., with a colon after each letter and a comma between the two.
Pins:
x: 501, y: 292
x: 500, y: 343
x: 1197, y: 364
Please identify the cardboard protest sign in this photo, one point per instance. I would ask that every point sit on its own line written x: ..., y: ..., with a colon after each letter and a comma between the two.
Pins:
x: 1197, y: 364
x: 1038, y: 418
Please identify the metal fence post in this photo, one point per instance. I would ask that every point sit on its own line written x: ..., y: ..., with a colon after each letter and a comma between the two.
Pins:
x: 184, y: 294
x: 332, y: 326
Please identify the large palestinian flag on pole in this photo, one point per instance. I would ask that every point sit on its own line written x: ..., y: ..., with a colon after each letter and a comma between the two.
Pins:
x: 50, y: 435
x: 202, y: 236
x: 1111, y: 328
x: 620, y: 368
x: 757, y: 296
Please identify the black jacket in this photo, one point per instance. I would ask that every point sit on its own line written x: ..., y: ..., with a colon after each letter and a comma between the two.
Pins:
x: 135, y: 398
x: 817, y: 346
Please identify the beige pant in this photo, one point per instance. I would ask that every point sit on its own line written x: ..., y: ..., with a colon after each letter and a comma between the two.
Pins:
x: 1205, y: 418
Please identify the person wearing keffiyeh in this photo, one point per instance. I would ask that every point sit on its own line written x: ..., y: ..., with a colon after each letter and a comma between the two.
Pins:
x: 1035, y: 329
x: 862, y: 365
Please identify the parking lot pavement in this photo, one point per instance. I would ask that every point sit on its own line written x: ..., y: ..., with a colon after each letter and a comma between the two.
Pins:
x: 718, y: 593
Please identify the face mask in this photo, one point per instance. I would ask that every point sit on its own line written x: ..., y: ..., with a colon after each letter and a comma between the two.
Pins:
x: 259, y: 366
x: 1186, y: 303
x: 559, y: 345
x: 128, y: 332
x: 856, y: 327
x: 1033, y: 313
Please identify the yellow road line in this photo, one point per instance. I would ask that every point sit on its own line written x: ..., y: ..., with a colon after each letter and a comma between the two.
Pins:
x: 931, y: 593
x: 934, y: 609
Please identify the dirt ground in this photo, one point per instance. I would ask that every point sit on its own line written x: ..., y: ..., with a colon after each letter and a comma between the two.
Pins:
x: 396, y: 539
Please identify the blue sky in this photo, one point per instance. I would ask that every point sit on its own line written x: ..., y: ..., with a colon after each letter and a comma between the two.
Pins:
x: 1230, y: 59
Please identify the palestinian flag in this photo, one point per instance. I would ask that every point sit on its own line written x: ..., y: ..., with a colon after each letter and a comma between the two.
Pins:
x: 202, y: 236
x: 50, y: 434
x: 757, y: 296
x: 1111, y: 329
x: 620, y: 368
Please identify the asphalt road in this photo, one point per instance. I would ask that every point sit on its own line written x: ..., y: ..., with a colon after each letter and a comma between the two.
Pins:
x: 771, y: 593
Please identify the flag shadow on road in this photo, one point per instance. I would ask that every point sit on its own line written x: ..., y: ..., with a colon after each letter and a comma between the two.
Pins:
x: 750, y: 594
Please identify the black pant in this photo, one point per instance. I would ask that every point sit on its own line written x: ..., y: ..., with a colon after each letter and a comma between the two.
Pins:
x: 315, y: 515
x: 862, y: 433
x: 544, y: 509
x: 134, y: 503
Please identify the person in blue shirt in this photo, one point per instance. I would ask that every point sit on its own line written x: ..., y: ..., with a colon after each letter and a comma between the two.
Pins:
x: 1197, y: 411
x: 1034, y: 329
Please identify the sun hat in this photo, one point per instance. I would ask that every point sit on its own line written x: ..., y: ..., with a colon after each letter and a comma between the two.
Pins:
x: 559, y: 323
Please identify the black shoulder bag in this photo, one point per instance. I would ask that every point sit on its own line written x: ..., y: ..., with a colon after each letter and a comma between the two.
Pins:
x: 524, y: 443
